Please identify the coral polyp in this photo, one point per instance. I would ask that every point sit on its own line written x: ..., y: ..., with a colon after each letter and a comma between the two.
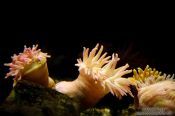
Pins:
x: 154, y: 88
x: 31, y: 65
x: 98, y: 76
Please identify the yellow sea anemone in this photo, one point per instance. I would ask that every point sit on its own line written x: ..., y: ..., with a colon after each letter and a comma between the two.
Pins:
x: 30, y: 65
x: 98, y: 76
x: 154, y: 89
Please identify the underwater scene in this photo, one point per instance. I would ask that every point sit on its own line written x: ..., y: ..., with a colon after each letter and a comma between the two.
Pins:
x: 86, y: 73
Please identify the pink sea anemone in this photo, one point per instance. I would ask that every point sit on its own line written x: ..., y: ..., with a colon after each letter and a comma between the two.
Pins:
x: 98, y: 76
x: 30, y: 65
x: 154, y: 89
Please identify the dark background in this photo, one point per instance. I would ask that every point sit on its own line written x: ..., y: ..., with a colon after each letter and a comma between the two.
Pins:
x: 141, y: 34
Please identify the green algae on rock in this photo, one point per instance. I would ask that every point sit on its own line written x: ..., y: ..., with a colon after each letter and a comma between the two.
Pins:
x: 27, y: 99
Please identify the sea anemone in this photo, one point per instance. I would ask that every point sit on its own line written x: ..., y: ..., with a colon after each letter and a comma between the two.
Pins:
x: 98, y: 76
x: 154, y: 89
x: 30, y: 65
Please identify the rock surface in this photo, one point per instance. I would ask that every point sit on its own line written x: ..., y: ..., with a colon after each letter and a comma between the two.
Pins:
x: 30, y: 99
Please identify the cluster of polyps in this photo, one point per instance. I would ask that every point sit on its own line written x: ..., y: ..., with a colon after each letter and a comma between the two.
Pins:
x: 31, y: 65
x: 98, y: 76
x: 154, y: 89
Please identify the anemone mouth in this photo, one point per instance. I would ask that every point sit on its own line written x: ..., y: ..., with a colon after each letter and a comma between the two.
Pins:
x: 25, y: 62
x: 33, y: 66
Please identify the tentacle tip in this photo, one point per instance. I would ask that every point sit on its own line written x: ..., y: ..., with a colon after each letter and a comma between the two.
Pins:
x: 127, y: 65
